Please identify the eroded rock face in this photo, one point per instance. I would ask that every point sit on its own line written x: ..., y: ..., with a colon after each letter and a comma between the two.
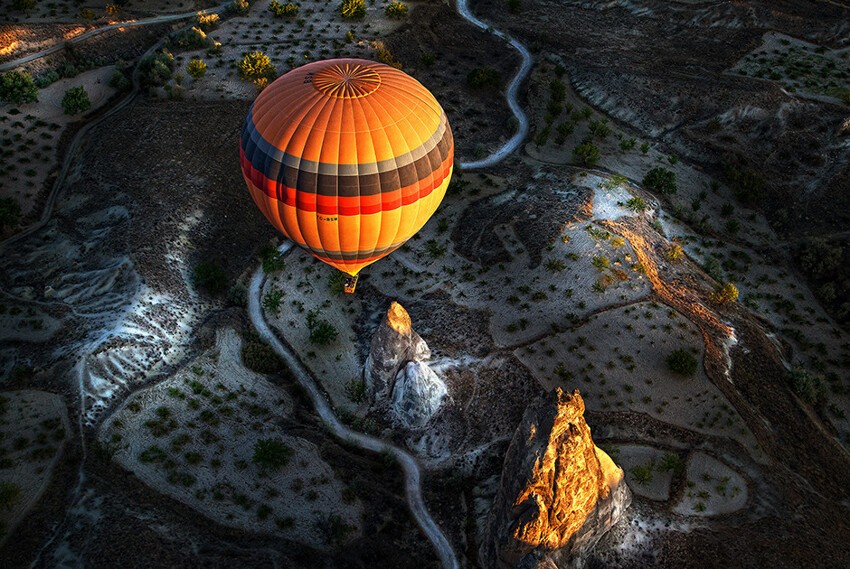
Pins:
x: 393, y: 346
x: 417, y: 394
x: 559, y: 493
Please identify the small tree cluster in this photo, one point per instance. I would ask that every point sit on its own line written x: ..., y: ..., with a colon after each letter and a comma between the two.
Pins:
x: 725, y: 294
x: 352, y: 9
x: 322, y: 332
x: 682, y: 362
x: 587, y: 152
x: 76, y: 101
x: 196, y: 68
x: 288, y: 10
x: 156, y: 69
x: 257, y: 67
x: 18, y: 87
x: 660, y: 180
x: 396, y: 10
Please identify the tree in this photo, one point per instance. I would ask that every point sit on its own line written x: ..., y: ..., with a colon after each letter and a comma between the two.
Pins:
x: 18, y: 87
x: 240, y: 6
x: 820, y: 258
x: 288, y: 10
x: 256, y: 66
x: 210, y: 277
x: 587, y: 152
x: 808, y: 386
x: 682, y: 361
x: 10, y: 213
x: 271, y: 454
x: 725, y: 293
x: 322, y: 332
x: 76, y: 101
x: 396, y: 10
x: 272, y: 260
x: 208, y: 22
x: 352, y: 9
x: 660, y: 180
x: 196, y: 68
x: 156, y: 68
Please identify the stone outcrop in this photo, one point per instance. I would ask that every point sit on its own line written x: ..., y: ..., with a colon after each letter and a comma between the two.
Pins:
x: 393, y: 345
x: 417, y: 394
x: 559, y: 493
x: 395, y: 371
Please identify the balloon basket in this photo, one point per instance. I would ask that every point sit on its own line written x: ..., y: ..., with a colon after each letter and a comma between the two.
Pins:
x: 350, y: 284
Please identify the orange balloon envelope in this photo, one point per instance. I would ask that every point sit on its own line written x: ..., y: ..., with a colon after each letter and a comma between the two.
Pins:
x: 348, y: 158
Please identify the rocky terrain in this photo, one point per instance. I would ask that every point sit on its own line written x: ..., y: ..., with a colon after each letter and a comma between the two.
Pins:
x: 663, y: 262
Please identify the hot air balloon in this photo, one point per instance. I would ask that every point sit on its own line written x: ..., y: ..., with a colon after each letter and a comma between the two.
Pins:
x: 348, y: 158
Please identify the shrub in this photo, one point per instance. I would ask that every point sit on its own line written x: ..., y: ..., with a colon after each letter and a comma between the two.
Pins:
x: 322, y: 332
x: 240, y: 6
x: 46, y: 78
x: 76, y: 101
x: 260, y: 357
x: 587, y: 152
x: 636, y: 203
x: 337, y: 282
x: 396, y: 10
x: 660, y: 180
x: 601, y: 263
x: 272, y: 300
x: 10, y: 493
x: 288, y: 10
x: 675, y: 253
x: 352, y: 9
x: 208, y: 22
x: 808, y: 386
x: 156, y: 69
x: 750, y: 188
x: 10, y: 213
x: 210, y: 277
x: 627, y: 143
x: 256, y: 66
x: 271, y: 454
x: 18, y: 87
x: 600, y: 128
x: 196, y: 68
x: 119, y: 81
x: 272, y: 260
x: 725, y: 293
x: 820, y: 258
x: 193, y: 38
x: 484, y: 77
x: 682, y: 362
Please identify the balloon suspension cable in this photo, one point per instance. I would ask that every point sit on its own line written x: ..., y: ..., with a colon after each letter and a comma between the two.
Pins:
x: 350, y: 283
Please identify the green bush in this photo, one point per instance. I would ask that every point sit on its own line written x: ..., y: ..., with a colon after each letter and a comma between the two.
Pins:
x: 155, y: 70
x: 196, y: 68
x: 240, y: 6
x: 256, y: 66
x: 208, y: 22
x: 271, y: 454
x: 193, y: 38
x: 725, y: 293
x: 210, y: 277
x: 10, y: 493
x: 76, y: 101
x: 819, y: 258
x: 272, y: 260
x: 288, y: 10
x: 119, y: 81
x: 18, y: 87
x: 636, y: 203
x: 352, y: 9
x: 272, y: 301
x: 808, y: 386
x: 682, y: 362
x: 748, y: 186
x: 258, y: 356
x: 322, y: 332
x: 660, y: 180
x: 10, y: 213
x: 396, y: 10
x: 587, y: 152
x: 484, y: 77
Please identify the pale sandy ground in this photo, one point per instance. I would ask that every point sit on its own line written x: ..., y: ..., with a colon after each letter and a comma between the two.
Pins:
x: 629, y: 457
x: 27, y: 179
x: 306, y: 490
x: 713, y: 488
x: 32, y: 446
x: 775, y: 44
x: 305, y: 284
x: 321, y: 37
x: 598, y: 356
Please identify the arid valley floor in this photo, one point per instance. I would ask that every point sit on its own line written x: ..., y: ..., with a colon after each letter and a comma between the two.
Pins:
x: 134, y: 395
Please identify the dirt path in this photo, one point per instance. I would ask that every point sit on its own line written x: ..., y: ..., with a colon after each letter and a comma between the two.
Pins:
x: 412, y: 475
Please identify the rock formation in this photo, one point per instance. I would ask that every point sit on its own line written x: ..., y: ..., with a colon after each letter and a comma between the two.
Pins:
x: 417, y: 394
x: 559, y: 493
x: 395, y: 370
